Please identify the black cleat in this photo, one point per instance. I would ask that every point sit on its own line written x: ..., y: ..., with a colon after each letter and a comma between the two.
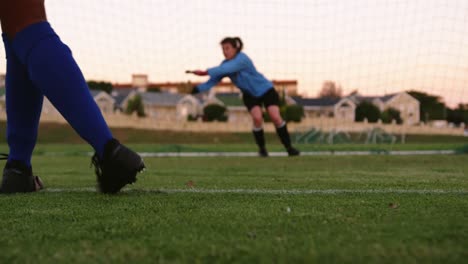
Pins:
x: 293, y: 152
x: 263, y: 152
x: 117, y: 168
x: 18, y: 178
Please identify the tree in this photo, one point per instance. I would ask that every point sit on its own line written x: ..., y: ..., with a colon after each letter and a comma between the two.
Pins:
x: 367, y: 110
x: 458, y: 115
x: 391, y: 114
x: 330, y: 90
x: 100, y: 86
x: 431, y: 107
x: 153, y: 89
x: 135, y: 104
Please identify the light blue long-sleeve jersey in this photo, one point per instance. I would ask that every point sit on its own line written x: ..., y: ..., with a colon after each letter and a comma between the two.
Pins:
x: 242, y: 73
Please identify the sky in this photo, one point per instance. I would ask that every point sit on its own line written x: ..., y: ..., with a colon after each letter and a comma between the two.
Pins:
x: 376, y: 47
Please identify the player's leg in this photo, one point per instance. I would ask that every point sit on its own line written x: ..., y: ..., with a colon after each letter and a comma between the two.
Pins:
x: 257, y: 116
x: 282, y: 129
x: 271, y: 100
x: 255, y: 110
x: 23, y: 107
x: 52, y: 69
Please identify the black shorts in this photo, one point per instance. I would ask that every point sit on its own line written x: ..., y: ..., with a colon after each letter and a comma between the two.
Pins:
x: 269, y: 98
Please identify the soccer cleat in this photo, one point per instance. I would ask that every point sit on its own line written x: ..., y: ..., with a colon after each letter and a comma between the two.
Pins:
x: 263, y: 152
x: 293, y: 152
x: 117, y: 168
x: 18, y: 178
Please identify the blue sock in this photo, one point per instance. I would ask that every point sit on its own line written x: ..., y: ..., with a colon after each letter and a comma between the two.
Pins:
x: 23, y: 107
x: 52, y: 69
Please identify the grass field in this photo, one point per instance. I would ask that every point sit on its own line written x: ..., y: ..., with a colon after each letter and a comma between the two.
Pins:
x: 322, y: 209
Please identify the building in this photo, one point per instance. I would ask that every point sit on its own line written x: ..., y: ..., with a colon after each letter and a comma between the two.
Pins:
x: 162, y: 106
x: 287, y: 87
x: 339, y: 108
x: 345, y: 108
x: 174, y: 106
x: 105, y: 102
x: 142, y: 84
x: 408, y: 106
x: 140, y: 81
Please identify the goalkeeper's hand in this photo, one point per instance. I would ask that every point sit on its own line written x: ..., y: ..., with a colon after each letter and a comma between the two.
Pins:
x: 199, y: 72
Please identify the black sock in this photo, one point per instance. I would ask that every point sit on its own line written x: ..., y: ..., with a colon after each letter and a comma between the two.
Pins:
x: 283, y: 134
x: 259, y: 136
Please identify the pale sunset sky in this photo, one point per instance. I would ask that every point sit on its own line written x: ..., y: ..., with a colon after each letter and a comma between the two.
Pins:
x: 373, y: 46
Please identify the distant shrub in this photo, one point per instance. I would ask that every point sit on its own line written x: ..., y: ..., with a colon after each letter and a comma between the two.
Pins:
x: 135, y: 104
x: 293, y: 113
x: 290, y: 113
x: 192, y: 118
x: 214, y: 112
x: 391, y: 114
x: 367, y: 110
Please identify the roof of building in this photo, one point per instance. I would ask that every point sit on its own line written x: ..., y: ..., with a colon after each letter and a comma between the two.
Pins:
x: 316, y: 101
x: 387, y: 97
x: 120, y: 95
x: 95, y: 92
x: 359, y: 98
x: 332, y: 101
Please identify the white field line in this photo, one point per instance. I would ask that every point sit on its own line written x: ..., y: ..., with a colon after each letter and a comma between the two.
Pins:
x: 278, y: 154
x: 267, y: 191
x: 310, y: 153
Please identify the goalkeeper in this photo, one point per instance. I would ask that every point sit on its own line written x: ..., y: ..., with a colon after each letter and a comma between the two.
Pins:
x: 256, y: 91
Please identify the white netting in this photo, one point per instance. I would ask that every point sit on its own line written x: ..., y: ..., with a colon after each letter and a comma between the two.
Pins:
x: 373, y: 46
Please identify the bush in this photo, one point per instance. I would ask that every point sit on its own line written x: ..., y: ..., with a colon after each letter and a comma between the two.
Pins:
x: 391, y: 114
x: 136, y: 105
x: 290, y: 113
x: 458, y: 115
x: 367, y: 110
x: 214, y: 112
x: 293, y: 113
x: 192, y: 118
